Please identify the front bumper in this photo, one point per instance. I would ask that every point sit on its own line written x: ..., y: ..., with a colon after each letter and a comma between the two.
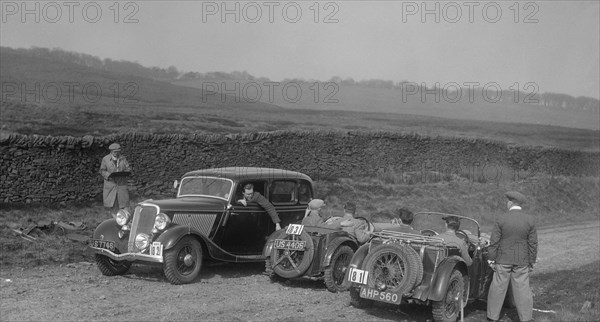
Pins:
x: 131, y: 257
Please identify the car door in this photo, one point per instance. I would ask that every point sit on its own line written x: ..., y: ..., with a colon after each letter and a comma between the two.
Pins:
x: 480, y: 274
x: 247, y: 227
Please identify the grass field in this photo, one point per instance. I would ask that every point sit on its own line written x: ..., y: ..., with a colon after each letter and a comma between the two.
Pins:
x: 37, y: 99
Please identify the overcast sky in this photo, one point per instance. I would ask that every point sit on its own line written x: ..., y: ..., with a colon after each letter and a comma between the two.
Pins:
x: 554, y: 44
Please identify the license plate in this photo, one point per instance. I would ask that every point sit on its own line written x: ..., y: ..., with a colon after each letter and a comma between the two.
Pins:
x: 358, y: 276
x: 294, y: 229
x: 156, y: 249
x: 290, y: 244
x: 105, y: 244
x: 372, y: 294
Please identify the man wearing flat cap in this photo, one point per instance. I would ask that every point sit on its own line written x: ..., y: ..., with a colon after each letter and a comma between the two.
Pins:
x: 114, y: 169
x: 512, y: 252
x: 450, y: 238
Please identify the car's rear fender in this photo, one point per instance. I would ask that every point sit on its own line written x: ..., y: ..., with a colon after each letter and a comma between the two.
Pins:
x: 268, y: 248
x: 333, y: 246
x: 358, y: 258
x: 439, y: 284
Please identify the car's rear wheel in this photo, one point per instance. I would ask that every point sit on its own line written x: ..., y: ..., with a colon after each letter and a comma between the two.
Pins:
x: 293, y: 263
x: 184, y: 261
x: 111, y: 267
x: 448, y: 308
x: 394, y: 268
x: 335, y: 273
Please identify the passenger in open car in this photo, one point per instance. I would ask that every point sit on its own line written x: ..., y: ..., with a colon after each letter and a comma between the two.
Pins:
x: 398, y: 221
x: 349, y: 213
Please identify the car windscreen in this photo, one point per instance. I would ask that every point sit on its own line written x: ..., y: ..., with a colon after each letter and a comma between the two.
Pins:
x: 205, y: 186
x: 437, y: 223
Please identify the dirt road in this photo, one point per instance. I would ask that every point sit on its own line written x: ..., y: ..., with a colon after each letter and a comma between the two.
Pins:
x: 232, y: 292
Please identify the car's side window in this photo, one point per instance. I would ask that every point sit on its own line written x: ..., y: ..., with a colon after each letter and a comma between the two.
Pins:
x: 304, y: 192
x: 283, y: 192
x: 259, y: 186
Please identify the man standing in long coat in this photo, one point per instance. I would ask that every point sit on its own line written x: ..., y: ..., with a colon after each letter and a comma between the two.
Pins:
x: 115, y: 193
x: 513, y: 252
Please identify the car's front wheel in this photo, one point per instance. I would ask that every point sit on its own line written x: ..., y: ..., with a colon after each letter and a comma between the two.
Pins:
x: 111, y: 267
x: 336, y: 272
x: 184, y: 261
x: 448, y: 308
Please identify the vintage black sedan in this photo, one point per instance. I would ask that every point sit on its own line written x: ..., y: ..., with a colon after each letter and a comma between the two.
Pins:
x: 399, y: 267
x: 204, y: 221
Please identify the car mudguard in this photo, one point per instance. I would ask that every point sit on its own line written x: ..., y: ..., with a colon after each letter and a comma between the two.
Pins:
x: 439, y: 285
x: 171, y: 236
x: 358, y: 258
x: 109, y: 230
x: 268, y: 248
x: 333, y: 245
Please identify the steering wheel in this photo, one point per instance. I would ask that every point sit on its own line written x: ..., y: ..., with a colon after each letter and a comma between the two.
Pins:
x: 429, y: 232
x: 461, y: 234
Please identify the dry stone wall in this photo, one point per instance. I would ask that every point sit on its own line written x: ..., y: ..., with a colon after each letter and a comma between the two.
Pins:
x: 60, y: 169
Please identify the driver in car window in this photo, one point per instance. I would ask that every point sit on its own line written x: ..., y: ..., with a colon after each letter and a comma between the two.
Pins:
x: 254, y: 196
x: 450, y: 238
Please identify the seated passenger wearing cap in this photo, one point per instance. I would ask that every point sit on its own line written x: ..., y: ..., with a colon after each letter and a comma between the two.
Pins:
x: 312, y: 216
x: 450, y: 238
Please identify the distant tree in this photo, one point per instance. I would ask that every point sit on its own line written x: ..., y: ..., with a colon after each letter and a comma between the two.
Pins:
x: 172, y: 72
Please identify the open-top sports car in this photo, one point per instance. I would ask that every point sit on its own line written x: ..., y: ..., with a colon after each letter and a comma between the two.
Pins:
x: 314, y: 252
x: 398, y: 267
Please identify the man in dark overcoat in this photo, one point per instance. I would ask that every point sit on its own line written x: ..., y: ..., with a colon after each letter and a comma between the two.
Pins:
x: 512, y: 254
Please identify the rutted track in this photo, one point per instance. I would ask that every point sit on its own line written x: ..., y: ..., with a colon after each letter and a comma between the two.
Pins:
x: 229, y: 292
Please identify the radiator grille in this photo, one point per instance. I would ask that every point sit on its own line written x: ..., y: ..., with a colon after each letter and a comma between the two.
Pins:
x: 143, y: 222
x: 201, y: 222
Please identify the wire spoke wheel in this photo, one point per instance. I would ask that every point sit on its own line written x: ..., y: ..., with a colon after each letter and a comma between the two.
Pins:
x: 448, y: 308
x: 335, y: 273
x: 394, y: 268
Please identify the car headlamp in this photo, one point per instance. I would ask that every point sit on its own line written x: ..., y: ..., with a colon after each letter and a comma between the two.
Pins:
x: 161, y: 221
x: 122, y: 217
x: 142, y: 241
